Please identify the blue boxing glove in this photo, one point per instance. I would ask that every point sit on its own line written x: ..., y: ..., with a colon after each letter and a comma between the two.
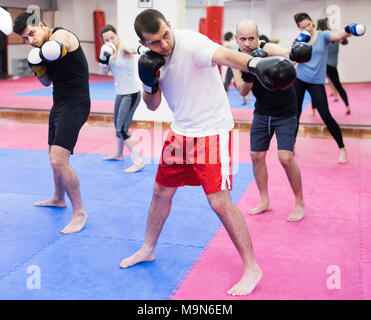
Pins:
x: 356, y: 29
x: 304, y: 36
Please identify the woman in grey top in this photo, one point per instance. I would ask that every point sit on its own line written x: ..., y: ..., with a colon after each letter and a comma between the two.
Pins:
x: 331, y: 68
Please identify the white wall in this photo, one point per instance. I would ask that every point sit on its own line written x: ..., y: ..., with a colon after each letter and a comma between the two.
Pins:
x: 77, y: 16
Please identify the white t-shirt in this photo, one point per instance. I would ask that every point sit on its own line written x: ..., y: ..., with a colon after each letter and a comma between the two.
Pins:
x: 193, y: 87
x: 125, y: 74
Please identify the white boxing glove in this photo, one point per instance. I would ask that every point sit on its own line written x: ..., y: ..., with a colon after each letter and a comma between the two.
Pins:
x: 53, y: 50
x: 35, y: 62
x: 106, y: 51
x: 6, y: 24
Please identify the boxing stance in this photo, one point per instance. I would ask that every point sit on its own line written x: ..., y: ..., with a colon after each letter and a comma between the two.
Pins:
x: 57, y: 58
x: 181, y: 66
x: 311, y: 76
x: 331, y: 66
x: 121, y: 61
x: 275, y: 112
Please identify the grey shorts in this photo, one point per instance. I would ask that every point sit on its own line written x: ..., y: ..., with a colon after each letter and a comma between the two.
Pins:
x: 263, y: 127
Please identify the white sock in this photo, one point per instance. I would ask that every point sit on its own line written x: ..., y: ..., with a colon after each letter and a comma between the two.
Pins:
x: 134, y: 149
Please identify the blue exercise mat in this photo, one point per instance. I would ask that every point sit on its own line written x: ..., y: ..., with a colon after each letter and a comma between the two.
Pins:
x: 101, y: 91
x: 105, y: 91
x: 85, y: 265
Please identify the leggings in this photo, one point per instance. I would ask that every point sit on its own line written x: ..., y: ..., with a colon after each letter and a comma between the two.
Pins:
x: 319, y: 99
x: 332, y: 73
x: 125, y: 106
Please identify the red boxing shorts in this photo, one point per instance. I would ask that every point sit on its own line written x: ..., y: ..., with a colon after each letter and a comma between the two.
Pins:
x: 205, y: 161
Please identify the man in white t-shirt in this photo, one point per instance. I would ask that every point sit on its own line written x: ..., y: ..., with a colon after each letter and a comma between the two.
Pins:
x: 182, y: 66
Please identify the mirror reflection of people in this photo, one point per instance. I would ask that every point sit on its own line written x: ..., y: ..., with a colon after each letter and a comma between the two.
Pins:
x: 331, y: 66
x: 275, y: 112
x: 311, y: 76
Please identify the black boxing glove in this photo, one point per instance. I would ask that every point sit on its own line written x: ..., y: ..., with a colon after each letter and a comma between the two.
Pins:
x: 301, y: 52
x: 273, y: 72
x: 258, y: 52
x: 149, y: 65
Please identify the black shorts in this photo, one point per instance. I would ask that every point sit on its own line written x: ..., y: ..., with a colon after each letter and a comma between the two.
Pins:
x: 263, y: 128
x: 65, y: 121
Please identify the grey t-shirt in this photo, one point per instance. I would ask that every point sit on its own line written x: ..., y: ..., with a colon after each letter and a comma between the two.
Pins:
x: 332, y: 56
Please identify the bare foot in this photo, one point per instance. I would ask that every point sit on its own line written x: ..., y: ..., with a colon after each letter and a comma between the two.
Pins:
x: 114, y: 157
x: 297, y: 214
x: 76, y: 224
x: 51, y: 203
x: 135, y: 167
x: 347, y: 110
x: 247, y: 283
x: 140, y: 256
x: 343, y: 157
x: 261, y: 208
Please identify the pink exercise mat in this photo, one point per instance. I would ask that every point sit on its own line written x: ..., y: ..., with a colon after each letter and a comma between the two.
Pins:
x: 299, y: 260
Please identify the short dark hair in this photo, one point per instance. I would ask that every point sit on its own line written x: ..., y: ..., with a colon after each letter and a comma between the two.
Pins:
x: 322, y: 24
x: 301, y: 16
x: 24, y: 19
x: 228, y: 36
x: 263, y: 37
x: 106, y: 28
x: 148, y: 21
